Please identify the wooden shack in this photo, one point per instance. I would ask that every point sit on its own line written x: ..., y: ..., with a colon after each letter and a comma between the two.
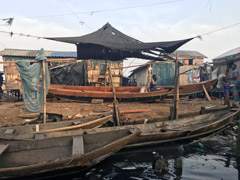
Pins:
x: 95, y: 75
x: 189, y: 60
x: 165, y: 70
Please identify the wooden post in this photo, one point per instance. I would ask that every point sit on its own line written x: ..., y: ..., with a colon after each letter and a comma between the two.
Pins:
x: 176, y: 89
x: 206, y: 93
x: 44, y: 92
x: 105, y: 84
x: 115, y: 107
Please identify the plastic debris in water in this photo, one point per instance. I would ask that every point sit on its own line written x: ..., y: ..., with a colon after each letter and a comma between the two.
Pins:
x: 160, y: 164
x: 181, y: 149
x: 201, y: 146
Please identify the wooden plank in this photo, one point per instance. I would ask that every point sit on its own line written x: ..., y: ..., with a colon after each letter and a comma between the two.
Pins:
x: 3, y: 147
x: 135, y: 111
x: 44, y: 93
x: 39, y: 136
x: 91, y: 124
x: 78, y: 146
x: 115, y: 106
x: 97, y: 101
x: 9, y: 131
x: 207, y: 95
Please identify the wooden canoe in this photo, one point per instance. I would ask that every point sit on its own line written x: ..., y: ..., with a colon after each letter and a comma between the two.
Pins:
x: 17, y: 130
x: 124, y: 93
x: 29, y: 157
x: 153, y: 133
x: 89, y: 92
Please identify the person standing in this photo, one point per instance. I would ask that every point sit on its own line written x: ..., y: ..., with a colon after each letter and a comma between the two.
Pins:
x: 235, y: 82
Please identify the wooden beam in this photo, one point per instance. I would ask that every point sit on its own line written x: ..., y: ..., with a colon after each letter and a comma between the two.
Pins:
x: 3, y: 147
x: 115, y: 106
x: 88, y: 125
x: 44, y: 93
x: 105, y: 83
x: 176, y: 89
x: 49, y: 60
x: 207, y: 95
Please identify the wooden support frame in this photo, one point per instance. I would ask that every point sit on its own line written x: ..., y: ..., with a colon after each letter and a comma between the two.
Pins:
x: 44, y: 92
x: 115, y: 107
x: 176, y: 89
x: 207, y: 95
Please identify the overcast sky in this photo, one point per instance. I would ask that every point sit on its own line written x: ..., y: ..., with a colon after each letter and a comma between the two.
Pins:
x: 177, y: 19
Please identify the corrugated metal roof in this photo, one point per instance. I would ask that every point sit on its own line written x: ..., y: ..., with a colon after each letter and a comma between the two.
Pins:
x: 229, y: 54
x: 33, y: 53
x: 187, y: 53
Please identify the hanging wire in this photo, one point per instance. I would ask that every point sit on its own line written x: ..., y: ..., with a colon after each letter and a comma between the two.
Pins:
x: 216, y: 30
x: 98, y: 11
x: 75, y: 14
x: 20, y: 34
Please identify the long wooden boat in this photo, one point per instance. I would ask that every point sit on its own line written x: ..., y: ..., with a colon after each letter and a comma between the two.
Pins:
x: 78, y: 123
x: 94, y: 122
x: 152, y: 133
x: 28, y: 157
x: 124, y: 93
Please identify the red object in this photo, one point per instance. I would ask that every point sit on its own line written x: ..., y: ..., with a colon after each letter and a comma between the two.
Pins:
x: 88, y: 109
x: 135, y: 111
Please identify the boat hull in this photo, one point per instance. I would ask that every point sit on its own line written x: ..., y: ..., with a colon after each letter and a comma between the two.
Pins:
x: 29, y: 157
x: 124, y: 93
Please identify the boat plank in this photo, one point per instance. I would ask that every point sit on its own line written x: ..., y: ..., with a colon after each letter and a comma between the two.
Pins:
x: 78, y: 145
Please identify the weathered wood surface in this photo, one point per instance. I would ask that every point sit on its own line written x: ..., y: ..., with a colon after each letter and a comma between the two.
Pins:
x: 28, y: 157
x: 160, y: 131
x: 87, y: 125
x: 27, y: 131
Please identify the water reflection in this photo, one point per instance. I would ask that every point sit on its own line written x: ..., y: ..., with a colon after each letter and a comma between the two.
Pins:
x: 192, y: 164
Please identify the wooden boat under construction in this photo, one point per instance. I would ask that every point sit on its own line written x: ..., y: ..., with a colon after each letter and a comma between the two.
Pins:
x: 191, y: 88
x: 33, y: 156
x: 124, y: 93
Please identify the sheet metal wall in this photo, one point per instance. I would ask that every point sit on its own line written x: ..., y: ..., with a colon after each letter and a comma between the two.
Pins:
x: 164, y: 72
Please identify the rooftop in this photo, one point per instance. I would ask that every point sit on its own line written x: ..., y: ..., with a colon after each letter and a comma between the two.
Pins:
x: 188, y: 53
x: 229, y: 54
x: 33, y: 53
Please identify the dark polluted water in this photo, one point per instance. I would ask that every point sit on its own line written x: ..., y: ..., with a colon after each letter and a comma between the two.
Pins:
x: 187, y: 162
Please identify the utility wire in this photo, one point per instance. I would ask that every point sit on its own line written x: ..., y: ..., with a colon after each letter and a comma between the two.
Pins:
x: 199, y: 36
x: 20, y: 34
x: 98, y: 11
x: 75, y: 14
x: 220, y: 29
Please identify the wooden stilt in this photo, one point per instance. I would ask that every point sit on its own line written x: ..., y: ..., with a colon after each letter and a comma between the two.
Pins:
x: 171, y: 117
x: 115, y: 107
x: 176, y: 89
x: 44, y: 92
x: 105, y: 84
x: 207, y: 95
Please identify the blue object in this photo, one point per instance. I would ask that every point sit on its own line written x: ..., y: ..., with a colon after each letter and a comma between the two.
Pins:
x: 32, y: 82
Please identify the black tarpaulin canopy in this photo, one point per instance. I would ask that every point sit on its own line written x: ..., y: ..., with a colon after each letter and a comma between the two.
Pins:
x: 110, y: 44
